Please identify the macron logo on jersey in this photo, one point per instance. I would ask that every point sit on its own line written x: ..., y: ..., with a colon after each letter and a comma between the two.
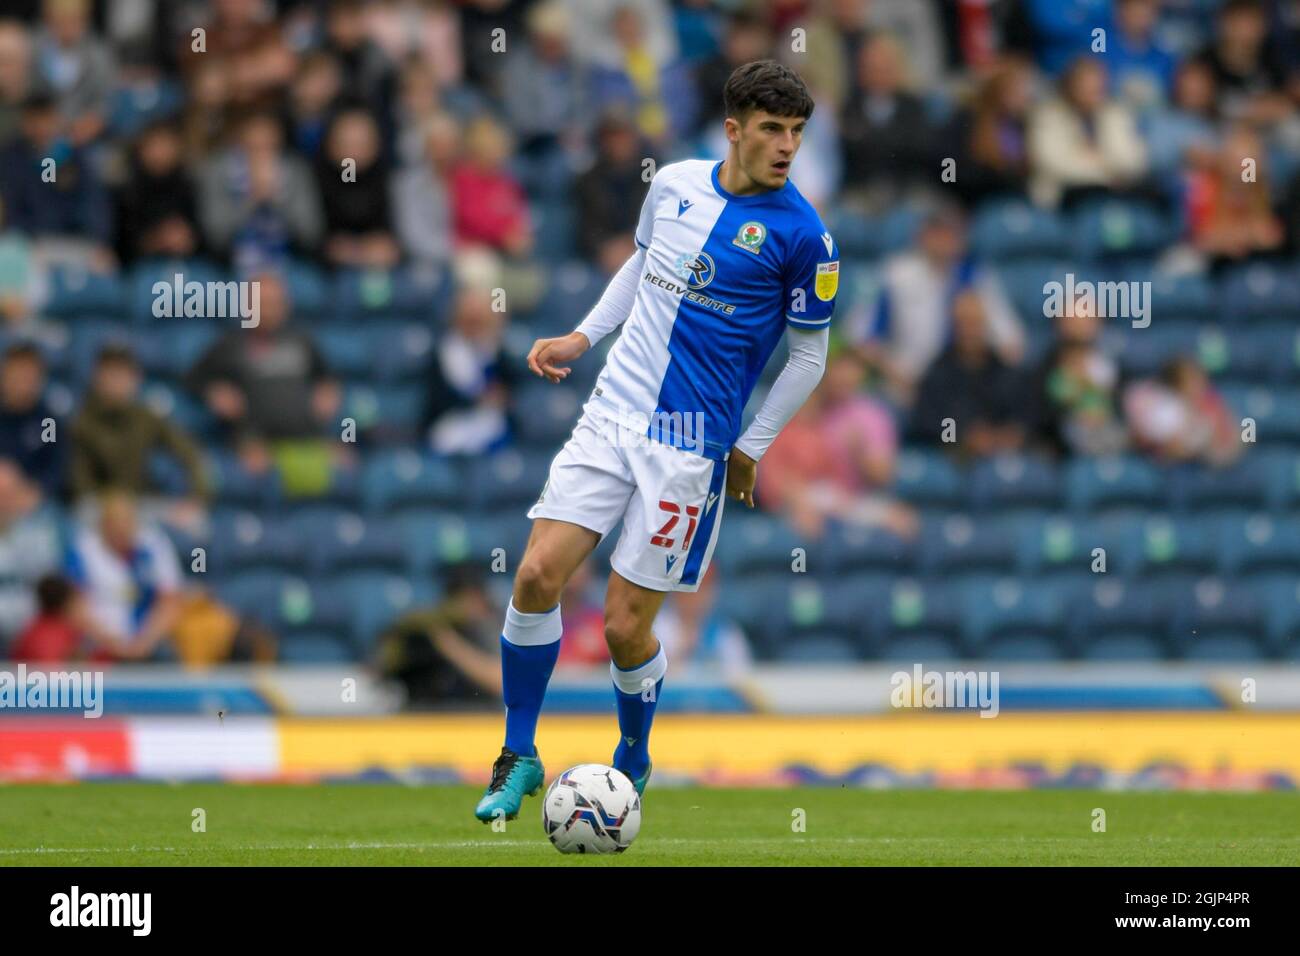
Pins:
x: 826, y: 241
x: 682, y: 206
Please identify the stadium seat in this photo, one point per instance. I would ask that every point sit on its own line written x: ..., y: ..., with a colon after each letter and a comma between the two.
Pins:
x: 756, y: 541
x: 378, y: 598
x: 1260, y: 542
x: 234, y: 486
x: 1213, y: 606
x: 545, y: 414
x: 928, y: 478
x: 1112, y: 607
x: 510, y: 477
x: 919, y: 607
x: 339, y: 540
x: 847, y: 549
x: 314, y: 648
x: 1119, y: 228
x: 245, y: 541
x: 1012, y: 229
x: 385, y: 412
x: 818, y: 649
x: 1275, y: 410
x: 1023, y: 648
x: 395, y: 480
x: 1249, y: 482
x: 1228, y: 647
x: 1161, y: 544
x: 956, y: 542
x: 995, y: 609
x: 1096, y: 483
x: 1259, y: 291
x: 1182, y: 298
x: 1016, y: 482
x: 926, y: 649
x: 1132, y: 646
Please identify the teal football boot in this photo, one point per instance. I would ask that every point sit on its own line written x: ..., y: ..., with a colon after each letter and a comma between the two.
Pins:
x: 513, y: 778
x: 641, y: 781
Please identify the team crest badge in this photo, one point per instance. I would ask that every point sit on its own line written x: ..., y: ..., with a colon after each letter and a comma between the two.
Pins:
x: 751, y: 236
x: 828, y: 280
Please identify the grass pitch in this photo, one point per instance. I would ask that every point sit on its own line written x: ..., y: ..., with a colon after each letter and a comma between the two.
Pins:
x: 147, y: 824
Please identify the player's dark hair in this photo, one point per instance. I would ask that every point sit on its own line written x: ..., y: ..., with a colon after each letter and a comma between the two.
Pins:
x: 768, y: 86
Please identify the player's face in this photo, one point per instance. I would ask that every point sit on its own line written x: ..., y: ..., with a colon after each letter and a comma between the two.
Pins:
x: 767, y: 146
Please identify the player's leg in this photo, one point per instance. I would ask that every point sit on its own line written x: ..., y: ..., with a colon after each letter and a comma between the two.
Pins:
x: 530, y: 644
x: 638, y: 664
x: 585, y: 494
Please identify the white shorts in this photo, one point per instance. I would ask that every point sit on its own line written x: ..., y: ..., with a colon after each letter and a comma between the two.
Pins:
x: 669, y: 500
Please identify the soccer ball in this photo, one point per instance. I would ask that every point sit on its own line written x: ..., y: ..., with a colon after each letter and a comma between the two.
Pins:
x: 591, y: 808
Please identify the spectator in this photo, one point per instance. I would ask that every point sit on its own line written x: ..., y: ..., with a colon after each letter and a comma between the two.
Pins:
x: 885, y: 134
x: 28, y: 429
x: 695, y: 633
x: 908, y: 326
x: 30, y: 548
x: 835, y: 459
x: 354, y: 182
x: 488, y: 205
x: 595, y: 26
x: 156, y: 211
x: 447, y: 654
x: 15, y: 77
x: 1229, y: 215
x: 115, y: 436
x: 22, y: 283
x: 51, y: 637
x: 1181, y: 417
x: 1141, y: 68
x: 418, y: 31
x: 470, y: 379
x: 421, y: 205
x: 76, y: 67
x: 747, y: 38
x: 245, y: 51
x: 312, y: 100
x: 1183, y: 137
x: 606, y: 220
x: 368, y: 74
x: 660, y: 97
x: 1249, y: 80
x: 1062, y: 29
x: 1081, y: 142
x: 129, y: 580
x: 65, y: 201
x: 267, y: 384
x: 969, y: 393
x: 257, y: 202
x: 990, y: 136
x: 547, y: 95
x: 1077, y: 389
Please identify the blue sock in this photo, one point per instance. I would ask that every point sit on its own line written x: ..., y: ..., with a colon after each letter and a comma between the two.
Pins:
x: 636, y: 692
x: 530, y: 643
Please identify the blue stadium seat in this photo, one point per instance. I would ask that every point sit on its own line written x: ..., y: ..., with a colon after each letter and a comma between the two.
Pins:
x: 508, y: 477
x: 339, y: 540
x: 928, y: 478
x: 555, y: 228
x: 1260, y: 291
x: 1008, y: 607
x: 377, y: 599
x: 1056, y: 544
x: 919, y: 607
x: 848, y: 549
x: 1276, y: 411
x: 956, y: 542
x: 401, y: 351
x: 139, y: 301
x: 406, y: 293
x: 403, y: 479
x: 1281, y: 597
x: 1096, y: 483
x: 74, y: 291
x: 1161, y: 544
x: 389, y: 412
x: 309, y: 290
x: 1147, y: 350
x: 927, y: 649
x: 236, y: 487
x: 818, y: 649
x: 1122, y: 646
x: 288, y: 604
x: 347, y: 349
x: 1023, y: 648
x: 1119, y: 228
x: 440, y: 538
x: 1182, y: 298
x: 1227, y: 647
x: 756, y: 541
x: 1112, y: 607
x: 1016, y: 482
x: 244, y: 541
x: 1249, y: 482
x: 545, y: 414
x: 1015, y: 229
x: 314, y: 648
x: 1260, y: 543
x: 1213, y: 606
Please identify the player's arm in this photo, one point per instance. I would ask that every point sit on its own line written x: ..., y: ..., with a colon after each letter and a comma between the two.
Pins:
x: 803, y: 370
x: 811, y: 284
x: 548, y: 356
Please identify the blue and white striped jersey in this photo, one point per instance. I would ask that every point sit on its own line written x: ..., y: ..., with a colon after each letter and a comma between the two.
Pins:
x: 724, y: 276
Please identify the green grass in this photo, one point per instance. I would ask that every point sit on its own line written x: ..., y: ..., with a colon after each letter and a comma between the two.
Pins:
x: 352, y: 824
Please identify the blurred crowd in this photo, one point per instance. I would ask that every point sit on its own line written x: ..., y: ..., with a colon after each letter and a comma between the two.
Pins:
x: 430, y: 135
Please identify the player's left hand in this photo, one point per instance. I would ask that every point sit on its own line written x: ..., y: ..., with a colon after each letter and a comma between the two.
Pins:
x: 742, y: 471
x: 546, y: 355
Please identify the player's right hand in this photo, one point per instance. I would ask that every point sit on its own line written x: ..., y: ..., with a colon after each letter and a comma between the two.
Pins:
x: 546, y: 355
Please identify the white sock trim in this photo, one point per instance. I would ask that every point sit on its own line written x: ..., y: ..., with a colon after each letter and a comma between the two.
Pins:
x: 634, y: 681
x: 531, y: 630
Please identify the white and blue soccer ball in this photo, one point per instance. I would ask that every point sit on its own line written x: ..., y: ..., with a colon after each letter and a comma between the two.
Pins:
x: 591, y: 808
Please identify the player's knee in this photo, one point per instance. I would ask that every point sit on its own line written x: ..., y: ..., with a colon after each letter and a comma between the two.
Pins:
x: 536, y: 588
x: 625, y: 637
